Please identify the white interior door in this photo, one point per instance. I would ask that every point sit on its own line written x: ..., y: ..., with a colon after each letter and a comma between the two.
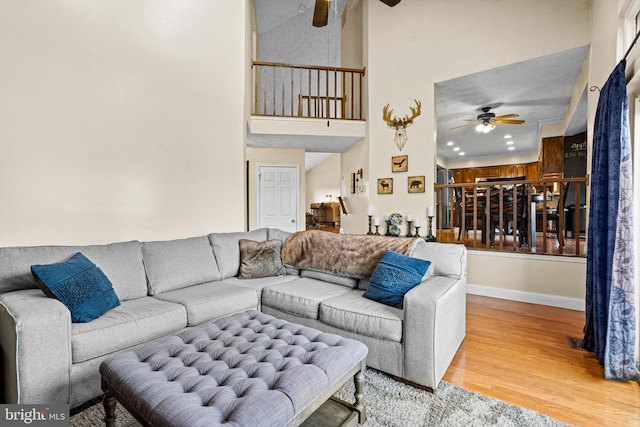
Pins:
x: 278, y: 197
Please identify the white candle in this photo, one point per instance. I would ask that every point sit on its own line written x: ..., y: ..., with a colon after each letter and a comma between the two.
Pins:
x: 409, y: 218
x: 376, y: 221
x: 430, y: 211
x: 417, y: 222
x: 369, y: 211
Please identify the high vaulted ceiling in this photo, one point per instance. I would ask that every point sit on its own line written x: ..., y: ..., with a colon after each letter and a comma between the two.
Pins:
x: 538, y: 90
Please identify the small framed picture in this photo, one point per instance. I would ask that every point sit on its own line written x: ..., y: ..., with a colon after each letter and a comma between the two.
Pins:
x: 385, y: 185
x: 400, y: 163
x: 416, y: 184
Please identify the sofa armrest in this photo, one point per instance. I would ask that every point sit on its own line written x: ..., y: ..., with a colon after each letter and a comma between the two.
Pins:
x: 434, y: 327
x: 35, y: 340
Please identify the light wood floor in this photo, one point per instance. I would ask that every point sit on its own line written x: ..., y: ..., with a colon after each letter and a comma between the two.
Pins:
x: 552, y: 246
x: 519, y: 353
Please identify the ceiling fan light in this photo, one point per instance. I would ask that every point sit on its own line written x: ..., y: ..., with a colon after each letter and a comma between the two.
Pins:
x: 480, y: 127
x: 486, y: 128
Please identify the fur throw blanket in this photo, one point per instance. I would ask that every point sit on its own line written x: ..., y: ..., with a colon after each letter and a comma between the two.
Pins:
x: 346, y: 255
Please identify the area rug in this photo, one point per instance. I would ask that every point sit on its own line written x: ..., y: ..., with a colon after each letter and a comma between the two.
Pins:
x: 390, y: 403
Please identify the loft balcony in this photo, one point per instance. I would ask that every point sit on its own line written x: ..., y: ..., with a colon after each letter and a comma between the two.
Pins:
x: 302, y: 106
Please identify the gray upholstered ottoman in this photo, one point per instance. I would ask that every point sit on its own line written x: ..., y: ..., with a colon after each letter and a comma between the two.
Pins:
x: 248, y: 369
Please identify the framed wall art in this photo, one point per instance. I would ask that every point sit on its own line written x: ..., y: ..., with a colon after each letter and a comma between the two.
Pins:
x: 385, y: 185
x: 416, y: 184
x: 400, y: 163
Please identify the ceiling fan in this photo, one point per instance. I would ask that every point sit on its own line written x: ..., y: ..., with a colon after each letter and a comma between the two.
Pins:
x: 487, y: 121
x: 321, y: 11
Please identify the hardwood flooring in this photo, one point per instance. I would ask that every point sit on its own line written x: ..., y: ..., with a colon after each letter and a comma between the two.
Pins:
x: 552, y: 245
x: 520, y: 353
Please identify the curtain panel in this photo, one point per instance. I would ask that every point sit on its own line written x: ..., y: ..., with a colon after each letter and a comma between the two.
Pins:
x: 610, y: 285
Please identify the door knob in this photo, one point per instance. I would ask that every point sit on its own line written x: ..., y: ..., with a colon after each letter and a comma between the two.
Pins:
x: 293, y: 221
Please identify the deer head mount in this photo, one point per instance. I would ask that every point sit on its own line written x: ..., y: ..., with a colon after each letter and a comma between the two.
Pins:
x: 400, y: 124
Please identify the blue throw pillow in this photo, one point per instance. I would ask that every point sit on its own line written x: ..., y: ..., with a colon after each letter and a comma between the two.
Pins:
x: 394, y: 276
x: 80, y: 285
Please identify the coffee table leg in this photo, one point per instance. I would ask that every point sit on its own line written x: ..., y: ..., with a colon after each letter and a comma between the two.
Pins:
x: 109, y: 402
x: 358, y: 381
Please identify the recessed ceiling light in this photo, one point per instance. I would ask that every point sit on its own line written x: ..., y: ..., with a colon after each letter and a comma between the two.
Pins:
x: 456, y: 149
x: 450, y: 143
x: 461, y: 153
x: 507, y: 136
x: 511, y: 148
x: 509, y: 142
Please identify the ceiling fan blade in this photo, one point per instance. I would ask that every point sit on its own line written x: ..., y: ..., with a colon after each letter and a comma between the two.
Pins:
x: 321, y: 13
x: 390, y: 3
x: 463, y: 126
x: 506, y: 116
x: 471, y: 120
x: 509, y: 122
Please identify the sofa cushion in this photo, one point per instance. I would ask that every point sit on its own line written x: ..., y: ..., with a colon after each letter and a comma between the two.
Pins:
x: 260, y: 259
x: 448, y: 259
x: 275, y: 233
x: 260, y: 283
x: 301, y: 297
x: 283, y: 236
x: 133, y: 322
x: 329, y: 277
x: 176, y: 264
x: 121, y: 263
x: 80, y: 285
x: 394, y: 276
x: 362, y: 316
x: 227, y: 250
x: 210, y: 301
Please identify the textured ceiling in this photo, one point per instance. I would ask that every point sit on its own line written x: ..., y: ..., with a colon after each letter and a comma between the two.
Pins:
x: 538, y: 90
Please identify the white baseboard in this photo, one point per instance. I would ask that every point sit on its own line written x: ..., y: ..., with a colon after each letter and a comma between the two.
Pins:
x: 530, y: 297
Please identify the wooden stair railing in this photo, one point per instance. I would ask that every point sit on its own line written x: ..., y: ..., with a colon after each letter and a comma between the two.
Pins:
x: 286, y: 90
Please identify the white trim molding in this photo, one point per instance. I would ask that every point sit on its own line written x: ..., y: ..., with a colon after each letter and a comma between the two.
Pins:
x: 528, y: 297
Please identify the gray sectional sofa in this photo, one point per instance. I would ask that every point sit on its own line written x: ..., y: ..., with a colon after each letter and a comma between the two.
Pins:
x: 167, y: 286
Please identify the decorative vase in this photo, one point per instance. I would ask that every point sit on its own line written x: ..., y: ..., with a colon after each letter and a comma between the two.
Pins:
x: 394, y: 230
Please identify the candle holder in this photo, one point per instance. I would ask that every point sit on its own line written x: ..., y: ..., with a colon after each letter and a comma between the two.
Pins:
x: 377, y: 233
x: 417, y: 231
x: 370, y: 232
x: 430, y: 237
x: 409, y: 228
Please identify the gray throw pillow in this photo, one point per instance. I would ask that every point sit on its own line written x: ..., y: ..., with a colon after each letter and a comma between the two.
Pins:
x: 260, y: 259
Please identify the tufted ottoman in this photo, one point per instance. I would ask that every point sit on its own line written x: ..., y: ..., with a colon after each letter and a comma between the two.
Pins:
x: 248, y: 369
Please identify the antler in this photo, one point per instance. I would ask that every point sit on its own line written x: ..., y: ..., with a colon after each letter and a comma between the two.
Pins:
x: 386, y: 115
x: 401, y: 122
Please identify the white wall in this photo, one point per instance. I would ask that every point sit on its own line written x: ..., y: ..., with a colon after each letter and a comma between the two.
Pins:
x: 356, y: 221
x: 411, y: 47
x: 416, y: 44
x: 322, y: 180
x: 121, y: 119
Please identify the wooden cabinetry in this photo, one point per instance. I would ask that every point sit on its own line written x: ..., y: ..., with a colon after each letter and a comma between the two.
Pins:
x: 551, y: 161
x: 470, y: 175
x: 532, y: 170
x: 552, y: 155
